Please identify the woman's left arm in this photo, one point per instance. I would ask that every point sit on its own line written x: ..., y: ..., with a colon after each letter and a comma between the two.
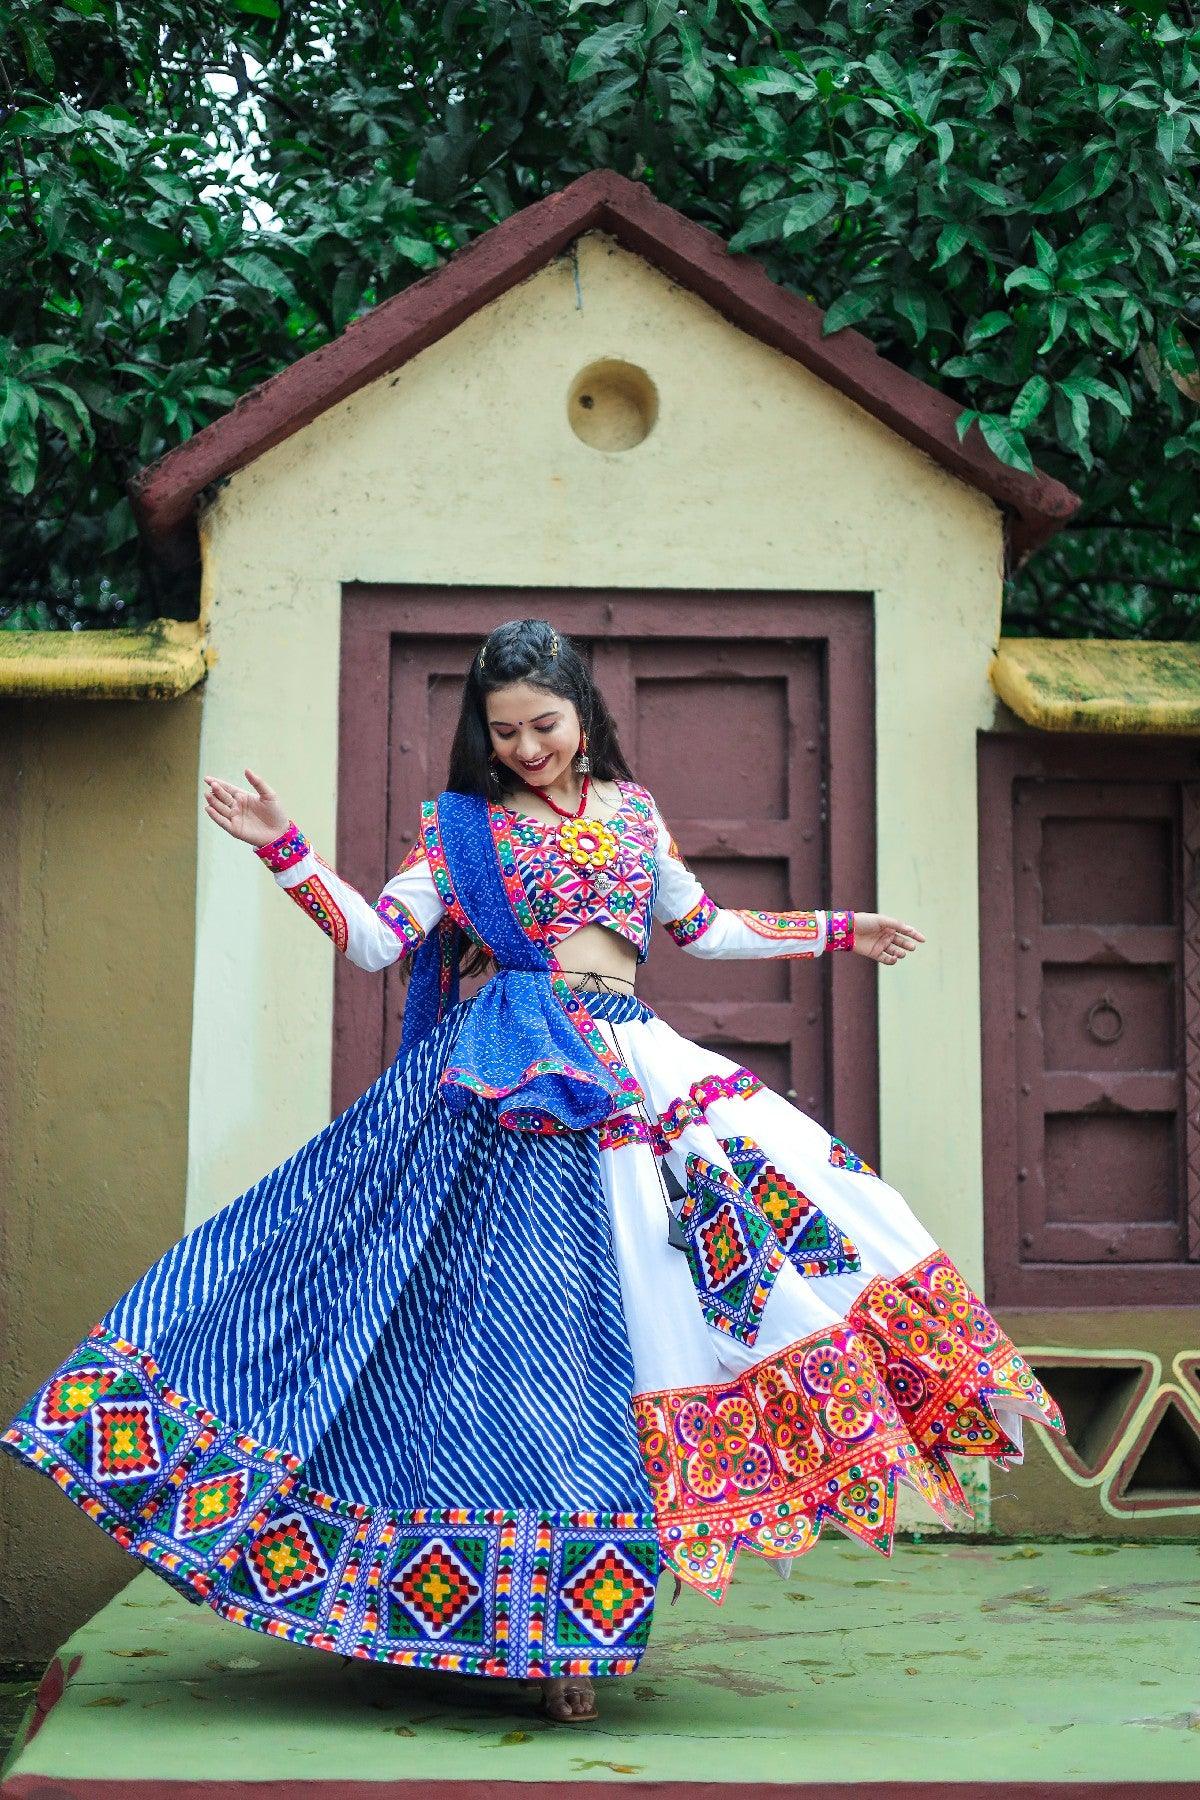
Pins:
x: 703, y: 928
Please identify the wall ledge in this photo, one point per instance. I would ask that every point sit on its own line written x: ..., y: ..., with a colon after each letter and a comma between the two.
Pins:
x: 1100, y: 684
x: 157, y: 661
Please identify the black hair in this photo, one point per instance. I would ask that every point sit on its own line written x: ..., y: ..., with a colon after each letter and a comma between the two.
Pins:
x: 528, y: 650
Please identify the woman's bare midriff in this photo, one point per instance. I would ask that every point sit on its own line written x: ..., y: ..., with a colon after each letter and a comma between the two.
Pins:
x: 595, y: 950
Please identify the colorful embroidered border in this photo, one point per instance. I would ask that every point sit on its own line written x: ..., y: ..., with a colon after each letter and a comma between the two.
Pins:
x: 783, y: 927
x: 840, y: 931
x: 230, y: 1522
x: 760, y: 1462
x: 314, y: 898
x: 431, y: 843
x: 396, y: 915
x: 567, y: 996
x: 821, y: 1430
x: 695, y: 923
x: 679, y: 1113
x: 947, y: 1362
x: 283, y: 852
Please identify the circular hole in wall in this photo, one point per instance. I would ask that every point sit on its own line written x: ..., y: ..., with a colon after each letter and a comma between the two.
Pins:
x: 612, y: 405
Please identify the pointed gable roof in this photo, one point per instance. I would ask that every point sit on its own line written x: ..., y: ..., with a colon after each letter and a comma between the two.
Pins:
x: 164, y: 493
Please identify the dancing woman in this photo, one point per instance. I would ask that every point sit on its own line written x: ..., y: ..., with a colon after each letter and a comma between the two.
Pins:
x: 562, y: 1299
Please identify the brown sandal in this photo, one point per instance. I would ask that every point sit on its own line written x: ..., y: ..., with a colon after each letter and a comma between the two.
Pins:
x: 554, y: 1697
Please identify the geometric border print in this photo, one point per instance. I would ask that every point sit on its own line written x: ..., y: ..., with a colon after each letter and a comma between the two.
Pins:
x: 439, y: 1585
x: 814, y: 1245
x: 229, y: 1521
x: 843, y: 1157
x: 606, y: 1591
x: 514, y: 1592
x: 731, y: 1249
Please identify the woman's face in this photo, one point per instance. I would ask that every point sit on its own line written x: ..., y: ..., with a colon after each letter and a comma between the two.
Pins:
x: 535, y: 734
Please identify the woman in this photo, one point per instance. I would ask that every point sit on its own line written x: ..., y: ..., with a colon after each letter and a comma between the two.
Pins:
x: 562, y: 1297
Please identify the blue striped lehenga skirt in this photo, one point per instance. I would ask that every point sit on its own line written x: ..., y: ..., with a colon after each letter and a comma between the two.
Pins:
x: 380, y: 1403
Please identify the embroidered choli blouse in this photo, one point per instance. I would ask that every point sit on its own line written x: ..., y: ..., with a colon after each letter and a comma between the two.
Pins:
x: 622, y: 873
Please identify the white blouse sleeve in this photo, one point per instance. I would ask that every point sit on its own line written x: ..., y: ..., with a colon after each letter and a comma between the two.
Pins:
x: 703, y: 928
x: 371, y: 934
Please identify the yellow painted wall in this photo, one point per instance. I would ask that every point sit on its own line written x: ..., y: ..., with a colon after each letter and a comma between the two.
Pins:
x: 462, y: 468
x: 96, y: 959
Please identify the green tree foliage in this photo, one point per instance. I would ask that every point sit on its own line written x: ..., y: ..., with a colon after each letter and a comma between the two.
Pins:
x: 1001, y: 195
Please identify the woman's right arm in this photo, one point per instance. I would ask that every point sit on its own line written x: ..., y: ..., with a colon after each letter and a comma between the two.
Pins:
x: 371, y: 935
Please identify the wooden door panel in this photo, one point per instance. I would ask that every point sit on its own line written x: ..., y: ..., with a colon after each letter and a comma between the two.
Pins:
x: 1089, y: 1141
x: 746, y: 720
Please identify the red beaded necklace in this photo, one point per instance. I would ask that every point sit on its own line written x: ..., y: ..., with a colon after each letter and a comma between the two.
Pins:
x: 563, y: 811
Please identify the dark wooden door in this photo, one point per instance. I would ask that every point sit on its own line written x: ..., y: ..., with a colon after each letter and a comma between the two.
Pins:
x: 749, y: 719
x: 1089, y: 865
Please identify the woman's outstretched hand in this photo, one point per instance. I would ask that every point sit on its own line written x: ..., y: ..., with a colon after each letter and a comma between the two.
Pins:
x: 883, y: 939
x: 255, y: 818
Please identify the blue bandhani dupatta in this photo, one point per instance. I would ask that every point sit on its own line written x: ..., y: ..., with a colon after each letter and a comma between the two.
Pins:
x: 528, y: 1044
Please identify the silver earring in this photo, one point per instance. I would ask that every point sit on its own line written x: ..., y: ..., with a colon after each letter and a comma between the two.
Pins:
x: 583, y: 762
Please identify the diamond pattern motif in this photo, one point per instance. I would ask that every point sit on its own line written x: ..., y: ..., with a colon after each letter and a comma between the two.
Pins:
x: 285, y: 1560
x: 66, y: 1398
x: 436, y: 1587
x: 207, y: 1505
x: 814, y: 1244
x: 731, y: 1249
x: 125, y: 1444
x: 608, y: 1594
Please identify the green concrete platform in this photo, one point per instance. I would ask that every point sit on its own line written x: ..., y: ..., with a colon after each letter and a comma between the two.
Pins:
x: 1027, y: 1669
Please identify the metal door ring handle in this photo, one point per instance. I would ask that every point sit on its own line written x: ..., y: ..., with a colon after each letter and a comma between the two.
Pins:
x: 1104, y: 1005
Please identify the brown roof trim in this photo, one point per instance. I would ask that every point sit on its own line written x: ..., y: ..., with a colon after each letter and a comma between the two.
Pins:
x: 164, y: 492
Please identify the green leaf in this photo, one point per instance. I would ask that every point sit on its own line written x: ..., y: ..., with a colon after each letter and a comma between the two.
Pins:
x: 12, y: 405
x: 120, y: 526
x: 1030, y: 402
x: 987, y: 327
x: 1042, y: 23
x: 607, y: 99
x: 911, y: 304
x: 764, y: 226
x: 261, y: 272
x: 1171, y: 135
x: 38, y: 59
x: 1036, y: 280
x: 170, y: 187
x: 184, y: 289
x: 758, y: 11
x: 1056, y: 325
x: 1070, y: 188
x: 1095, y: 389
x: 1043, y: 252
x: 849, y: 309
x: 600, y: 51
x: 1109, y: 164
x: 951, y: 239
x: 265, y: 9
x: 696, y: 73
x: 1005, y: 442
x: 898, y: 153
x: 807, y: 211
